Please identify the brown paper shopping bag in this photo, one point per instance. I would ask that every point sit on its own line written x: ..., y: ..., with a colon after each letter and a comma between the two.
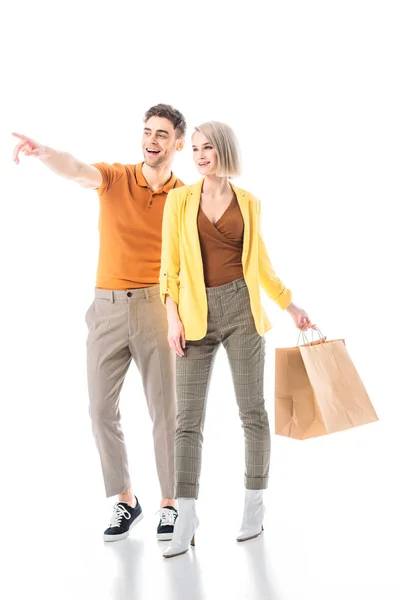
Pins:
x: 318, y: 391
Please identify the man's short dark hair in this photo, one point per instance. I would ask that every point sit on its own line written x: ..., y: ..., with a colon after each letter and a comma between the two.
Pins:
x: 167, y: 111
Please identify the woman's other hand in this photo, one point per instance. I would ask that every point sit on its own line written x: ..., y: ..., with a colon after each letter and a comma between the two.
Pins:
x: 176, y: 335
x: 300, y: 317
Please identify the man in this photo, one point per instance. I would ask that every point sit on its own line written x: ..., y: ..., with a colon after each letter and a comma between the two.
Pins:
x: 127, y: 319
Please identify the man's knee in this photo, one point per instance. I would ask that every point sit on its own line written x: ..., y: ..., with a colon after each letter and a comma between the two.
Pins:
x: 103, y: 411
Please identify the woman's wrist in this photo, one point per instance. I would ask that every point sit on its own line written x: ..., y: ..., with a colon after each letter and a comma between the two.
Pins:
x: 292, y: 307
x: 172, y: 317
x: 172, y: 310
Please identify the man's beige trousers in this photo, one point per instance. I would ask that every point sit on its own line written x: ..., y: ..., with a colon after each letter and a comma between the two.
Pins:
x: 124, y: 325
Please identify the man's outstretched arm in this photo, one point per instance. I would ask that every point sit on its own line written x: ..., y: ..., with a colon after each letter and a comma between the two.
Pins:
x: 61, y: 163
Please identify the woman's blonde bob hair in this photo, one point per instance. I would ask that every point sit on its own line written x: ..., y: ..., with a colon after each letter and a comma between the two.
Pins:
x: 223, y: 139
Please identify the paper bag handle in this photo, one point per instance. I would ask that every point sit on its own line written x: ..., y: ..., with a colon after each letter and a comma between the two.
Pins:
x: 305, y: 339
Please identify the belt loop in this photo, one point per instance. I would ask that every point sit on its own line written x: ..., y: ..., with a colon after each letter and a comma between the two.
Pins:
x: 146, y: 293
x: 235, y: 285
x: 112, y: 299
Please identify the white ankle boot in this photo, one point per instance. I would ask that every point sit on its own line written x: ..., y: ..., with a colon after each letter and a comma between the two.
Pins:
x: 185, y: 527
x: 253, y: 516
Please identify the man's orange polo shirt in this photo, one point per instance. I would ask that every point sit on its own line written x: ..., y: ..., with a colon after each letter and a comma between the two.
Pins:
x: 130, y: 225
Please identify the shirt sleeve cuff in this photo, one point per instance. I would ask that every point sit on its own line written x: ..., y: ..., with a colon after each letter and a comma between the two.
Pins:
x: 169, y: 287
x: 284, y: 299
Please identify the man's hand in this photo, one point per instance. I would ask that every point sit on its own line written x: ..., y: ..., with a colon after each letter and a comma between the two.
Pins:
x: 61, y: 163
x: 28, y: 147
x: 176, y: 335
x: 300, y: 317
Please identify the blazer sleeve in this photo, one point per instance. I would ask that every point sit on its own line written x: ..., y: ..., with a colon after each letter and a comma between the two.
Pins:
x: 269, y: 280
x: 170, y: 261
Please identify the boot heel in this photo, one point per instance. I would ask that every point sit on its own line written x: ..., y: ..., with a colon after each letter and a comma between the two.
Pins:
x: 192, y: 542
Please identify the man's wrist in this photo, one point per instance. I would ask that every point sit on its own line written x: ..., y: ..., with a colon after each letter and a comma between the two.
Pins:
x: 47, y: 153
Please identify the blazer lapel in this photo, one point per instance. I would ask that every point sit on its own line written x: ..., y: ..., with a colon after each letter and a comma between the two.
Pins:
x: 244, y: 209
x: 192, y: 209
x: 193, y: 205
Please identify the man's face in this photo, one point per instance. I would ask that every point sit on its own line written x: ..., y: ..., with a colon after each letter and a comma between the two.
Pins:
x: 159, y: 141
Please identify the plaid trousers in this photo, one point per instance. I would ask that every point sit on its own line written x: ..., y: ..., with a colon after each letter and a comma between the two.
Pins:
x: 230, y: 323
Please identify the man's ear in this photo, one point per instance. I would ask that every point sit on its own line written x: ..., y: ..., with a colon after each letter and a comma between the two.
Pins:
x: 180, y: 144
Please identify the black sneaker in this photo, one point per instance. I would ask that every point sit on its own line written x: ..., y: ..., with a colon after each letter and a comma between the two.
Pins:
x: 165, y: 529
x: 124, y: 517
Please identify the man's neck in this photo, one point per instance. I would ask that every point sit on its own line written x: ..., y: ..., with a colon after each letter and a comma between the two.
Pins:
x: 157, y: 177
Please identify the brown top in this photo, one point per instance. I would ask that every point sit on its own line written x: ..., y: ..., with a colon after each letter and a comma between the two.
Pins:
x: 222, y: 245
x: 130, y: 227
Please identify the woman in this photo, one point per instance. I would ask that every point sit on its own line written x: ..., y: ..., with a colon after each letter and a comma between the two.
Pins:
x: 213, y: 263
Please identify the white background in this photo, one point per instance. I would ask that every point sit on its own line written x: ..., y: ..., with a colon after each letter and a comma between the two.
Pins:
x: 312, y: 91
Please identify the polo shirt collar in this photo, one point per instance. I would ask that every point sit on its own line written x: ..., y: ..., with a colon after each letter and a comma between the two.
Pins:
x: 143, y: 183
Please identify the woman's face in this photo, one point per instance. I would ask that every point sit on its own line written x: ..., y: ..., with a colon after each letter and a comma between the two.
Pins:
x: 204, y: 155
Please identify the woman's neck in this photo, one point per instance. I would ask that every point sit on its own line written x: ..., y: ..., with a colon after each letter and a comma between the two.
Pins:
x: 216, y: 186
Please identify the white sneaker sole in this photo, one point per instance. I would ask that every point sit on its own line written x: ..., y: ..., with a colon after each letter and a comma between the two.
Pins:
x: 164, y: 537
x: 123, y: 536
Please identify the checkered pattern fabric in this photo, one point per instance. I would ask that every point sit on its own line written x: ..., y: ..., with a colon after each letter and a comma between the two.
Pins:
x: 230, y: 323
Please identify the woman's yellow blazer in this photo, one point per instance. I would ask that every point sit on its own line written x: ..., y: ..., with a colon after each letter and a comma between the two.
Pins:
x: 181, y: 274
